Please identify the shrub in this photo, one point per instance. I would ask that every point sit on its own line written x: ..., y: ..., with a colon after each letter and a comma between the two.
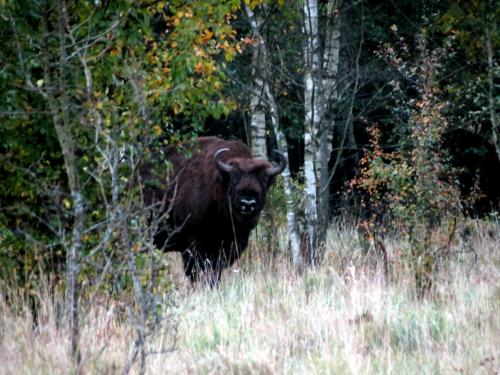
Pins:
x: 411, y: 189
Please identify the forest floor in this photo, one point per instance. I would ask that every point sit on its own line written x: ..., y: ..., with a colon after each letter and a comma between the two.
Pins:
x: 340, y: 318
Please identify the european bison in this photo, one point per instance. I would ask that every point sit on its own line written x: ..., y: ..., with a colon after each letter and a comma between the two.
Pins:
x: 215, y: 196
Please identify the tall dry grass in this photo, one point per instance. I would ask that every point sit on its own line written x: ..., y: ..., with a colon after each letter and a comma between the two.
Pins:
x: 341, y: 318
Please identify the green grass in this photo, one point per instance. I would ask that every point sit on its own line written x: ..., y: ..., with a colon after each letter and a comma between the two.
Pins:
x: 341, y: 318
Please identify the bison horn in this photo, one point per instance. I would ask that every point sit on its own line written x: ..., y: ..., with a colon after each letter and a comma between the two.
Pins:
x: 223, y: 167
x: 277, y: 168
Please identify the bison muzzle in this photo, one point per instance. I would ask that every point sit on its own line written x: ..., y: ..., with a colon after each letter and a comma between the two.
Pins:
x: 214, y: 196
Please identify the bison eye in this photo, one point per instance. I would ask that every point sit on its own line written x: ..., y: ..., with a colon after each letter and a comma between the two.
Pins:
x: 235, y: 176
x: 264, y: 182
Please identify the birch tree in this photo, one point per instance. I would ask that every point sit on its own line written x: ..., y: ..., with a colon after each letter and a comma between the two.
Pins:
x: 331, y: 61
x: 314, y: 107
x: 257, y: 104
x: 263, y: 99
x: 320, y: 97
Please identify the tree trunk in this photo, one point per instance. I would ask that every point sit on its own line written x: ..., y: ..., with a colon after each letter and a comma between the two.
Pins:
x: 59, y: 108
x: 314, y: 111
x: 331, y: 56
x: 261, y: 81
x: 287, y: 183
x: 257, y: 105
x: 491, y: 96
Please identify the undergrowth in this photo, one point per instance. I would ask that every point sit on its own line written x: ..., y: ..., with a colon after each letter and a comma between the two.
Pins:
x: 344, y: 317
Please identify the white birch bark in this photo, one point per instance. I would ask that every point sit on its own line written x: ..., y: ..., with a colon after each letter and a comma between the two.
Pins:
x: 314, y: 111
x: 257, y: 109
x: 258, y: 128
x: 261, y: 65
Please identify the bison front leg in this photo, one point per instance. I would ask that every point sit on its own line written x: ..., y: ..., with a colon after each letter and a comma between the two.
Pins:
x: 210, y: 259
x: 213, y: 276
x: 197, y: 261
x: 227, y: 253
x: 195, y: 265
x: 192, y: 265
x: 211, y: 271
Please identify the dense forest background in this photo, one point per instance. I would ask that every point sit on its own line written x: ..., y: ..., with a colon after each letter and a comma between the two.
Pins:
x: 89, y: 87
x: 86, y: 86
x: 387, y: 111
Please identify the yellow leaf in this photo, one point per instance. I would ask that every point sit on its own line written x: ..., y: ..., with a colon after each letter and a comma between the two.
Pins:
x: 206, y: 35
x: 229, y: 55
x: 157, y: 130
x: 66, y: 203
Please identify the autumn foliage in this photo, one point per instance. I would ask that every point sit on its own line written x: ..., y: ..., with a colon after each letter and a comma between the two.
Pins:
x: 411, y: 191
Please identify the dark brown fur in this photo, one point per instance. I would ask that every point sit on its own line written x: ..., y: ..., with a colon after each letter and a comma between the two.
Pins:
x: 213, y: 208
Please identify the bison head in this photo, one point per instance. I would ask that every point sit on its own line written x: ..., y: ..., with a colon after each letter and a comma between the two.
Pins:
x: 248, y: 180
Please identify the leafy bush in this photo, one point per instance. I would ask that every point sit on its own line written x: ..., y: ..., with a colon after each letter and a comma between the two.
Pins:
x: 411, y: 189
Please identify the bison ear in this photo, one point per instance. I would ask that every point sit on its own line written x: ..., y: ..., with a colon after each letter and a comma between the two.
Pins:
x: 221, y: 166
